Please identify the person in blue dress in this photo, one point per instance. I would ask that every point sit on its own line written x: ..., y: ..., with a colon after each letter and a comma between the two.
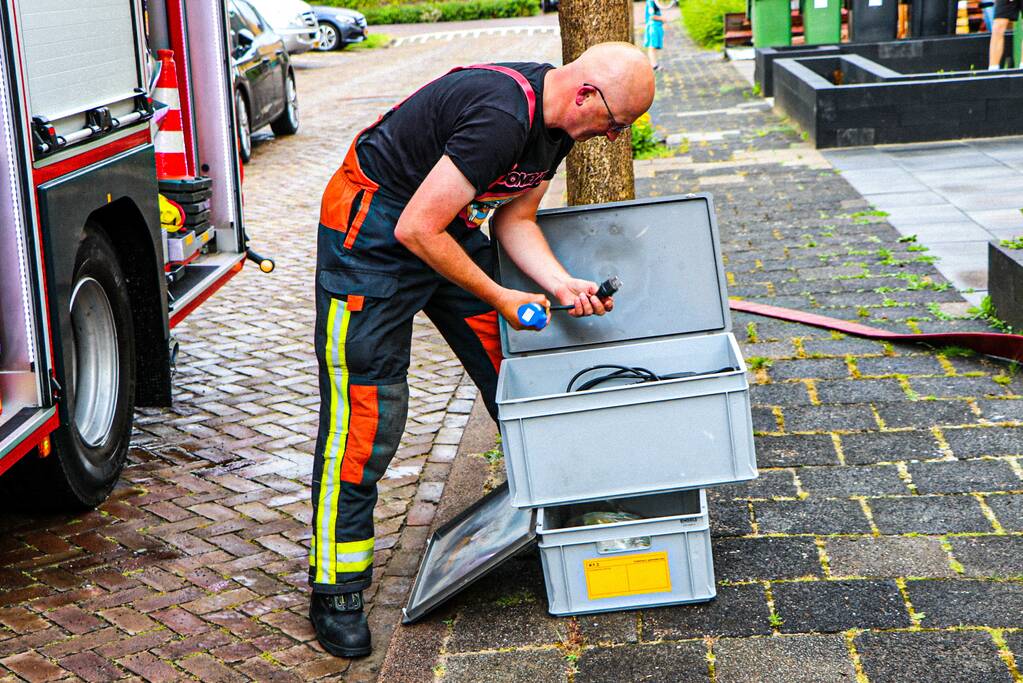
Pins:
x: 653, y: 37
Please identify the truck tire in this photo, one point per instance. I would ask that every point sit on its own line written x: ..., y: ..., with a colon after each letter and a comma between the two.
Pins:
x: 287, y: 122
x: 89, y: 451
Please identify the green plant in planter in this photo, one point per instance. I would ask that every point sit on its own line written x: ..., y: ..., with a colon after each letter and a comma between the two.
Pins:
x: 1015, y: 243
x: 645, y: 144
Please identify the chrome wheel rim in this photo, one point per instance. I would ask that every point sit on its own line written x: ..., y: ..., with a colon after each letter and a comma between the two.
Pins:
x: 96, y: 367
x: 243, y: 126
x: 292, y: 93
x: 327, y: 37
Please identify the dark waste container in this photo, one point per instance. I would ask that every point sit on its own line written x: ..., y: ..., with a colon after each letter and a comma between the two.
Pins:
x: 822, y: 21
x: 772, y: 22
x: 932, y: 18
x: 874, y: 21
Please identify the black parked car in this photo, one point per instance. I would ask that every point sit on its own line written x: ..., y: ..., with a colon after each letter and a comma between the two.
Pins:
x: 265, y: 92
x: 339, y: 27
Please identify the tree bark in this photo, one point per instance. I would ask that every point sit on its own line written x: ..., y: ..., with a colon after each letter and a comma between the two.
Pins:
x: 598, y: 170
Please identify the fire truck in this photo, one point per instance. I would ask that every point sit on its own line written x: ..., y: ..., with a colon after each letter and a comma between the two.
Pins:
x: 91, y: 283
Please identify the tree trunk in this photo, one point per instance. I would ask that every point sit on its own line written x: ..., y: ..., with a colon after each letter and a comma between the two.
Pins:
x: 598, y: 170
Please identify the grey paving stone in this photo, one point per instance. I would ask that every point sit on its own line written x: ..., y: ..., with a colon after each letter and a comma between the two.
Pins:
x: 841, y: 482
x: 826, y: 418
x: 660, y: 662
x: 1008, y: 510
x: 811, y: 516
x: 1004, y: 410
x: 496, y: 626
x: 609, y: 627
x: 954, y: 387
x: 900, y: 365
x: 754, y: 559
x: 832, y: 606
x: 990, y: 556
x: 929, y: 515
x: 860, y: 391
x: 938, y: 657
x: 843, y: 347
x: 862, y: 449
x: 785, y: 659
x: 770, y: 484
x: 975, y: 442
x: 816, y: 368
x: 730, y: 518
x: 799, y: 449
x: 925, y: 413
x: 539, y: 666
x: 736, y: 611
x: 950, y: 602
x: 963, y: 476
x: 888, y: 557
x: 779, y: 394
x: 764, y: 420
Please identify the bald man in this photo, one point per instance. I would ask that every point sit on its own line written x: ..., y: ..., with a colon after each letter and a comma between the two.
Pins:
x: 399, y: 233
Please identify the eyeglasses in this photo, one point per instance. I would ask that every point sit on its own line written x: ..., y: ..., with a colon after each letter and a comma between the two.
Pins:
x: 615, y: 126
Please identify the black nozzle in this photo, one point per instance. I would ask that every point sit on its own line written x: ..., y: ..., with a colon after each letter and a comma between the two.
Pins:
x: 608, y: 287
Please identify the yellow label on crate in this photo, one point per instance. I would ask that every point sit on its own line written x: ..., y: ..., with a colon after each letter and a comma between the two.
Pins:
x: 612, y: 577
x: 190, y: 238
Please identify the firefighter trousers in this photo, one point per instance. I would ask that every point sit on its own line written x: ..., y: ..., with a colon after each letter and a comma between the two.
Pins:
x: 368, y: 289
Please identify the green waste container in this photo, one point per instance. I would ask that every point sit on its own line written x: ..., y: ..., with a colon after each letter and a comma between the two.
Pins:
x: 822, y: 21
x: 772, y: 23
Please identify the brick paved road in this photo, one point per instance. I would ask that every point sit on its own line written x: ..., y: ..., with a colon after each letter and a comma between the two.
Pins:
x: 883, y: 541
x: 195, y: 568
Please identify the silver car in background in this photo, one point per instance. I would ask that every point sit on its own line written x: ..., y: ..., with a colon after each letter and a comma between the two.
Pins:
x: 293, y: 20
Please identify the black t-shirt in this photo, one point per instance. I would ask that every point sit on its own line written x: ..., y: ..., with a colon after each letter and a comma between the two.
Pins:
x: 480, y: 119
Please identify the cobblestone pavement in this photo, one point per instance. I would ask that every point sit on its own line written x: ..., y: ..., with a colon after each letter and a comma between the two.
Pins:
x: 195, y: 568
x: 883, y: 540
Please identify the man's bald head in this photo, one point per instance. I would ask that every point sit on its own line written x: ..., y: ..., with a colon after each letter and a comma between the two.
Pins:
x: 619, y: 72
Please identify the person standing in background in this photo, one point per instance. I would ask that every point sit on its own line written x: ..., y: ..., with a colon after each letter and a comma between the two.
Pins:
x: 653, y: 37
x: 1006, y: 12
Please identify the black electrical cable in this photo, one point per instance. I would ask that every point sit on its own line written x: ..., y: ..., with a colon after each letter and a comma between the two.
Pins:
x: 637, y: 373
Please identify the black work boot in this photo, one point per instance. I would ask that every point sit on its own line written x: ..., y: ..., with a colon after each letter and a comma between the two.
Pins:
x: 340, y: 624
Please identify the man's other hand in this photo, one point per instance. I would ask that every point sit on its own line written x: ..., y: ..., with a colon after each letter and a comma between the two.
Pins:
x: 582, y: 294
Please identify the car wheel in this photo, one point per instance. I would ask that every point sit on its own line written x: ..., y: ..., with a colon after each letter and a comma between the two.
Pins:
x: 328, y: 37
x: 244, y: 127
x: 287, y: 122
x: 89, y: 451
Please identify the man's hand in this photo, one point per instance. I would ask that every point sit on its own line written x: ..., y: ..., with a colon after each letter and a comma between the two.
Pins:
x: 510, y: 300
x: 582, y: 294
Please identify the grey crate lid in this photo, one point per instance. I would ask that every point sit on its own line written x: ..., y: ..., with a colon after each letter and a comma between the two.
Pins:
x: 666, y: 252
x: 467, y: 548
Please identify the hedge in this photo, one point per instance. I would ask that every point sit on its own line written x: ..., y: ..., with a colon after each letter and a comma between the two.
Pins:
x: 705, y: 19
x: 385, y: 12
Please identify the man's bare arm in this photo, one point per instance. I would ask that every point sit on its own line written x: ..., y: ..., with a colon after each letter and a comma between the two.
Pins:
x: 422, y: 228
x: 514, y: 226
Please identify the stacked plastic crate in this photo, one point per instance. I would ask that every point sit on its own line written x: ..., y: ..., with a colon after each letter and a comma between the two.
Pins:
x: 192, y: 196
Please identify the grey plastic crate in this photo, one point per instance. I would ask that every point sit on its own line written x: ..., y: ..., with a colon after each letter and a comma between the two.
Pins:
x: 673, y: 563
x: 671, y: 316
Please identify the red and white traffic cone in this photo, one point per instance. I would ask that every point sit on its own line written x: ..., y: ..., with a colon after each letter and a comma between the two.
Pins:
x: 170, y: 138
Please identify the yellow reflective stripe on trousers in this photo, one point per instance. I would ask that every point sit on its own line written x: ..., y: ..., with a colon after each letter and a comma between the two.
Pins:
x: 337, y: 438
x: 353, y: 556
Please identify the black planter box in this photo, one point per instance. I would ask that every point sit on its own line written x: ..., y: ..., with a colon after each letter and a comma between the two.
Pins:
x: 1005, y: 283
x: 847, y: 100
x: 913, y: 56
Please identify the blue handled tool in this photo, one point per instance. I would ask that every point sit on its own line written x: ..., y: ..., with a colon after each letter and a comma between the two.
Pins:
x: 534, y: 316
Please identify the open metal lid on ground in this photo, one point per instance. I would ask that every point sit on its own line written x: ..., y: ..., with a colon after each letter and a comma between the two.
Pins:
x: 467, y: 548
x: 665, y: 251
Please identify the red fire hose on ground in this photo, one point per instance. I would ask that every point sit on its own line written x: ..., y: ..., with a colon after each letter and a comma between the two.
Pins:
x: 1008, y: 346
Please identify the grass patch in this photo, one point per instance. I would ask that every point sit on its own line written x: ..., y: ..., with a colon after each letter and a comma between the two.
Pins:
x: 1015, y: 243
x: 645, y: 144
x: 397, y: 12
x: 986, y: 312
x: 759, y: 362
x: 373, y: 41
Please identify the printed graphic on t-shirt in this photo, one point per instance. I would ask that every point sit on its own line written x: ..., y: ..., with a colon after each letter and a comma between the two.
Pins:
x: 501, y: 191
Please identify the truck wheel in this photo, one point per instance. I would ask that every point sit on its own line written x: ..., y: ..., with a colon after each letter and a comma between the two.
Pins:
x: 244, y: 128
x: 287, y: 122
x: 99, y: 390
